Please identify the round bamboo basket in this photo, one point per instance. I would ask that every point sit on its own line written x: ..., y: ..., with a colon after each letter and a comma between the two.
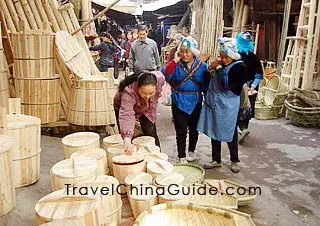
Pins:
x: 4, y: 88
x: 123, y: 165
x: 158, y: 167
x: 173, y: 214
x: 156, y: 156
x: 173, y: 194
x: 91, y: 102
x: 193, y: 174
x: 136, y: 179
x: 240, y: 218
x: 109, y: 212
x: 263, y: 112
x: 144, y: 141
x: 79, y: 141
x: 60, y: 205
x: 112, y: 140
x: 148, y: 150
x: 63, y: 223
x: 142, y: 198
x: 40, y: 97
x: 167, y: 179
x: 71, y: 171
x: 34, y: 54
x: 97, y: 153
x: 7, y: 191
x: 26, y: 131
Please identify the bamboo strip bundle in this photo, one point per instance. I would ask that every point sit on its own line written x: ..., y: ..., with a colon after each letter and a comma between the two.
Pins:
x: 240, y: 17
x: 7, y: 16
x: 35, y: 12
x: 13, y: 13
x: 29, y: 14
x: 21, y: 14
x: 41, y: 10
x: 58, y: 15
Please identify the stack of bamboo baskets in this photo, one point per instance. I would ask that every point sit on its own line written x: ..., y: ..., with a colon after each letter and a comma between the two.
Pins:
x: 4, y: 81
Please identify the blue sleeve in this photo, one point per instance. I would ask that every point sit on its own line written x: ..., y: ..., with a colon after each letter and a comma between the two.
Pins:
x: 256, y: 81
x: 96, y: 48
x: 206, y: 77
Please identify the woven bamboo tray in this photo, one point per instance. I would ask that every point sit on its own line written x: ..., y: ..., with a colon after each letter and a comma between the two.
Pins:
x: 193, y: 174
x: 174, y: 214
x: 242, y: 219
x: 264, y: 112
x: 302, y: 116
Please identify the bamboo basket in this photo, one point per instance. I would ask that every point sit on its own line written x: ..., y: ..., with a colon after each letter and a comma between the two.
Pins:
x: 109, y: 212
x: 60, y: 206
x: 123, y: 165
x: 176, y: 194
x: 168, y: 179
x: 241, y: 218
x: 63, y: 223
x: 158, y: 167
x: 135, y: 179
x: 192, y: 173
x: 264, y: 112
x: 71, y: 171
x: 148, y: 150
x: 97, y: 153
x: 40, y: 97
x: 222, y: 185
x: 111, y: 140
x: 112, y: 151
x: 142, y: 198
x: 26, y: 131
x: 79, y: 142
x: 91, y: 102
x: 4, y: 88
x: 7, y: 191
x: 156, y: 156
x: 173, y: 214
x: 34, y: 54
x: 144, y: 141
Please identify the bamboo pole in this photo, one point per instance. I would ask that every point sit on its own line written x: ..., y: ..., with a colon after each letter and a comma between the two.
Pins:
x: 29, y: 14
x: 257, y: 39
x: 21, y: 13
x: 245, y: 16
x: 50, y: 15
x: 35, y: 12
x: 7, y: 17
x: 58, y: 15
x: 41, y: 10
x: 13, y: 13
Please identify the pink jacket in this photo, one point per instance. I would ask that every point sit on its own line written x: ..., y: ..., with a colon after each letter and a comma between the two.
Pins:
x: 131, y: 106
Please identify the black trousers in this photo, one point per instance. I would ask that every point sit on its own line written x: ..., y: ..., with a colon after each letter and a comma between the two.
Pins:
x: 183, y: 122
x: 148, y: 128
x: 244, y: 124
x: 233, y: 148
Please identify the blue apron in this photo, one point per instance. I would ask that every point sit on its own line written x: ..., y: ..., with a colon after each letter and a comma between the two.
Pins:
x: 219, y: 113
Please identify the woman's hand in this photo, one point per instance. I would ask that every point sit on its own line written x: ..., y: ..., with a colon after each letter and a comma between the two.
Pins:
x: 177, y: 56
x: 214, y: 65
x: 128, y: 146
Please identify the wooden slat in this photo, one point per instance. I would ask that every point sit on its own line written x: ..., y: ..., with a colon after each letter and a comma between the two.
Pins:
x: 13, y: 13
x: 35, y: 12
x: 29, y: 14
x: 21, y: 13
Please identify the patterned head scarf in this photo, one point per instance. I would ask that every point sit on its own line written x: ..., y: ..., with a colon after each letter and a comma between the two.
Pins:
x: 228, y: 46
x: 244, y: 42
x: 191, y: 44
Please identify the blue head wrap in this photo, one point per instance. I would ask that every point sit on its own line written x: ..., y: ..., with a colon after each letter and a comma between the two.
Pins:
x: 244, y: 44
x: 191, y: 44
x: 228, y: 46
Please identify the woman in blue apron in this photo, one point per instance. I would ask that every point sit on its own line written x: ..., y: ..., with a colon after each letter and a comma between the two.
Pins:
x: 188, y: 77
x: 218, y: 118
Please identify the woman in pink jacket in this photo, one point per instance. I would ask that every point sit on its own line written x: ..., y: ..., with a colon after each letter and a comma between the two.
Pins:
x: 137, y: 98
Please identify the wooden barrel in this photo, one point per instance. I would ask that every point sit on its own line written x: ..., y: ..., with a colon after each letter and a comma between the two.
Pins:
x: 91, y: 102
x: 114, y: 150
x: 123, y: 165
x: 34, y: 54
x: 173, y: 194
x: 97, y: 153
x: 144, y: 141
x: 4, y: 88
x: 142, y: 198
x: 135, y: 179
x: 112, y: 140
x: 40, y: 97
x: 7, y: 191
x: 168, y: 179
x: 79, y: 141
x: 59, y: 206
x: 71, y: 171
x: 109, y: 212
x: 26, y: 131
x: 158, y: 167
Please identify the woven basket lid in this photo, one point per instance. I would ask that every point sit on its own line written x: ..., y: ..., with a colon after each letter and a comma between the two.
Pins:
x: 167, y: 179
x: 159, y: 166
x: 144, y: 141
x: 127, y: 159
x: 192, y: 173
x: 69, y: 206
x: 148, y: 150
x: 116, y: 149
x: 174, y: 193
x: 113, y: 139
x: 138, y: 178
x: 80, y: 139
x: 156, y: 156
x: 70, y: 168
x: 6, y: 143
x: 143, y: 192
x: 96, y: 153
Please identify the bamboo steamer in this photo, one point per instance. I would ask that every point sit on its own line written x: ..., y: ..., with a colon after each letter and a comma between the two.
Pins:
x: 109, y: 212
x: 158, y: 167
x: 167, y: 179
x: 79, y: 141
x: 4, y: 88
x: 156, y: 156
x: 173, y: 194
x: 112, y: 140
x: 7, y: 191
x: 26, y: 131
x: 144, y: 141
x: 40, y: 97
x: 33, y: 54
x: 71, y: 171
x: 136, y: 179
x: 148, y: 150
x: 123, y: 165
x: 91, y: 102
x: 142, y: 198
x: 97, y: 153
x: 60, y: 205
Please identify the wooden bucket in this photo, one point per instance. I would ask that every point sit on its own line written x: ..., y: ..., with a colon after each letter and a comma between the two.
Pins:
x: 173, y: 194
x: 156, y: 156
x: 158, y: 167
x: 168, y: 179
x: 26, y: 131
x: 135, y: 179
x: 40, y: 97
x: 34, y: 54
x: 91, y: 102
x: 142, y: 198
x: 109, y: 212
x: 79, y: 141
x: 63, y: 223
x: 144, y: 141
x: 97, y: 153
x: 123, y: 165
x: 148, y: 150
x: 112, y: 151
x: 7, y: 191
x: 4, y: 88
x: 59, y: 206
x: 71, y: 171
x: 112, y: 140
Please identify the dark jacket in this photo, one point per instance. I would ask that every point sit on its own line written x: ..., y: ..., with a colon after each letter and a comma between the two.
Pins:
x: 107, y: 51
x: 253, y: 65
